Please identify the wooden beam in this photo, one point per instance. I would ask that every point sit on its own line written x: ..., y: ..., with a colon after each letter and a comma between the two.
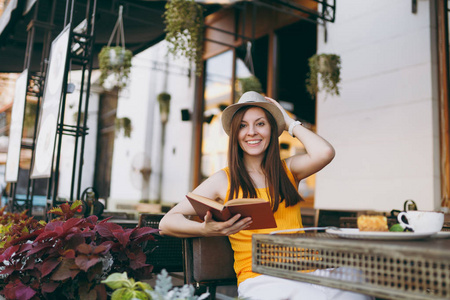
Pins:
x: 443, y: 66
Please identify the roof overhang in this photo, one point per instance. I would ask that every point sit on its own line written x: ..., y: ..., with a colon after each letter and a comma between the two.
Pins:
x: 143, y: 26
x: 142, y: 19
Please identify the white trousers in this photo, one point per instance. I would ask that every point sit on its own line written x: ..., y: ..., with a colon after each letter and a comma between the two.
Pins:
x: 266, y: 287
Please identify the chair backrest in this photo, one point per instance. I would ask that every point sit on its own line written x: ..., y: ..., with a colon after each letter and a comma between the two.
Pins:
x: 205, y: 260
x: 166, y: 252
x: 209, y: 260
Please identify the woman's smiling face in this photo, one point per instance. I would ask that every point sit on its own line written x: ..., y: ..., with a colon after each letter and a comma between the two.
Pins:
x: 254, y: 132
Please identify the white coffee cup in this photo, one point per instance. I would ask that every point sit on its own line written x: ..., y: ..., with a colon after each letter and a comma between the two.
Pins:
x: 422, y: 221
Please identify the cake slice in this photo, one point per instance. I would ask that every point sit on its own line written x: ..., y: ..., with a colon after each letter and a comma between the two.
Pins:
x: 372, y: 223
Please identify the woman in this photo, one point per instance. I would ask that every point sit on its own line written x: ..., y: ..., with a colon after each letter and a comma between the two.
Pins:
x: 255, y: 170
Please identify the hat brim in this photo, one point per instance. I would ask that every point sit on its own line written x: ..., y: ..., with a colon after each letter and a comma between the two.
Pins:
x: 229, y: 112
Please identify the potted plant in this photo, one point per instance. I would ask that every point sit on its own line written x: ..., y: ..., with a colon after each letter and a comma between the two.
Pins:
x: 123, y: 125
x: 164, y: 106
x: 115, y: 61
x: 68, y: 257
x: 245, y: 84
x: 328, y: 67
x: 114, y: 64
x: 128, y: 288
x: 184, y: 30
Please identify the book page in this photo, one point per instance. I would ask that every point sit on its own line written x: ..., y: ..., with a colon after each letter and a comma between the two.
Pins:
x: 244, y: 201
x: 207, y: 201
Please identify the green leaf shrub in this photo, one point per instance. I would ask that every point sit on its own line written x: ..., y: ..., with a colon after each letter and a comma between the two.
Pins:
x: 125, y: 288
x: 68, y: 257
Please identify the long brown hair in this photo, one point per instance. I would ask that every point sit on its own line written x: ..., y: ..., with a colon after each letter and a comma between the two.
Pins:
x: 280, y: 187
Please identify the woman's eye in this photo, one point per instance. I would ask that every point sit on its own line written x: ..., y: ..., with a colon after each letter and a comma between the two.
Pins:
x: 242, y: 126
x: 261, y: 124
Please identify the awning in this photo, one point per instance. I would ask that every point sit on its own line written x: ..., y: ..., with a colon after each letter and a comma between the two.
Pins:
x: 142, y: 20
x: 143, y: 27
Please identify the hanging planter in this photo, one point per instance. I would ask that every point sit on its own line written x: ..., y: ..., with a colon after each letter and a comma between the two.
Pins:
x: 245, y: 84
x: 115, y: 64
x: 123, y: 125
x: 115, y: 61
x: 164, y: 106
x: 184, y: 31
x: 249, y: 83
x: 328, y: 66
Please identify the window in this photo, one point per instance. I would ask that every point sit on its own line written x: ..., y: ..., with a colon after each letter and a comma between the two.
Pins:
x: 218, y: 95
x: 219, y: 89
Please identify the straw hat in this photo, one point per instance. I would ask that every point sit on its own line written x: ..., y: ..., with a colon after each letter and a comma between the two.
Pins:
x: 252, y: 99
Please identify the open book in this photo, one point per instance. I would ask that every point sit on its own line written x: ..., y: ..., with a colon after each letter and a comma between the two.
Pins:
x: 258, y: 209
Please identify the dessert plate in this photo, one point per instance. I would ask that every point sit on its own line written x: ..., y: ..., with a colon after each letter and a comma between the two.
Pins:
x: 441, y: 235
x: 354, y: 233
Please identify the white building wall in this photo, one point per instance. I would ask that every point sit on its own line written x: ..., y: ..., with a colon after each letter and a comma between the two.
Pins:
x: 384, y: 125
x: 177, y: 163
x: 139, y: 103
x: 134, y: 102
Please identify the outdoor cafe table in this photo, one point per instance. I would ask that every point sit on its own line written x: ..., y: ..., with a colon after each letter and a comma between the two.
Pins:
x: 388, y: 269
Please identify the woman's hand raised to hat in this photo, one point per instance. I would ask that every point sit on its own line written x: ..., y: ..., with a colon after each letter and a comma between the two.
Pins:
x: 287, y: 119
